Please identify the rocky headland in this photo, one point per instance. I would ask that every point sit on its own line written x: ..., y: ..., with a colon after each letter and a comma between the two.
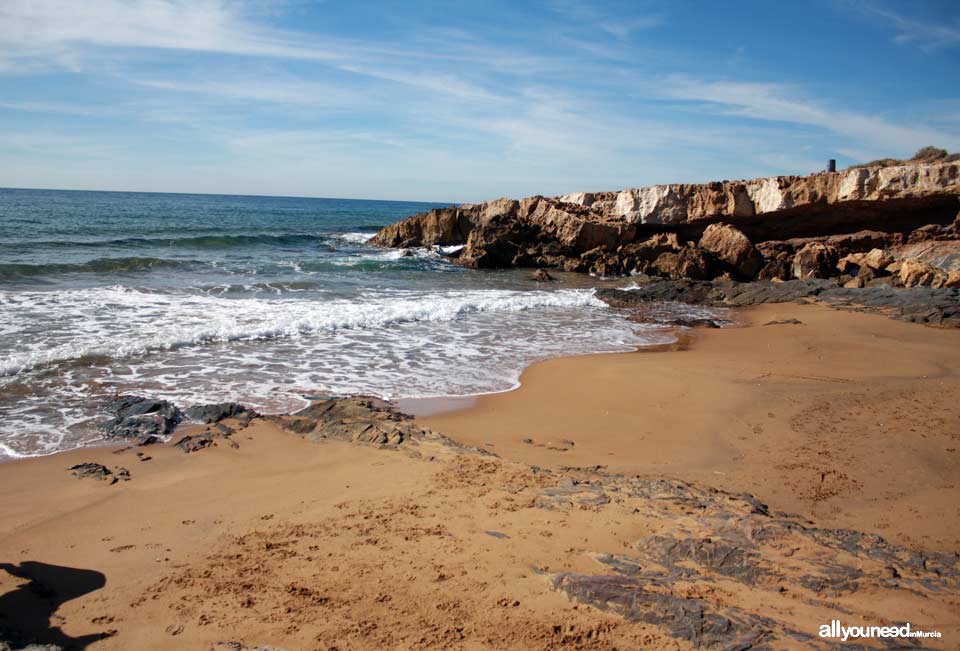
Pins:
x: 888, y: 223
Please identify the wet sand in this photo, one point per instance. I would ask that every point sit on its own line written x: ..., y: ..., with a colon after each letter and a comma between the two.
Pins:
x: 848, y: 420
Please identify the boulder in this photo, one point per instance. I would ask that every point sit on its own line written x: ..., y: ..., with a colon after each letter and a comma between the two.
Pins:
x: 850, y: 264
x: 732, y: 247
x: 877, y: 259
x: 916, y: 273
x: 815, y: 261
x: 776, y: 268
x: 689, y: 262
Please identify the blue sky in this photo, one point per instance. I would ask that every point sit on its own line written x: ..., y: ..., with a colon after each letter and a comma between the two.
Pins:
x: 463, y: 101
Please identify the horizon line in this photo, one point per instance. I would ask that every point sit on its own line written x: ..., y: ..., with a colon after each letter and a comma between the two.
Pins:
x: 227, y: 194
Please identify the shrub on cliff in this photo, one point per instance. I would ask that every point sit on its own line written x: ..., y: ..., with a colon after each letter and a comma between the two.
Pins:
x: 924, y: 155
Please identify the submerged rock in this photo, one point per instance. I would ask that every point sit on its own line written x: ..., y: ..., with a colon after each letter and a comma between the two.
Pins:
x: 541, y: 276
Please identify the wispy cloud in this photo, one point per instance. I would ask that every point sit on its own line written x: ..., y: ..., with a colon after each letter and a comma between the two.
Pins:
x: 587, y: 14
x: 265, y: 89
x: 924, y: 34
x: 780, y: 103
x: 55, y: 32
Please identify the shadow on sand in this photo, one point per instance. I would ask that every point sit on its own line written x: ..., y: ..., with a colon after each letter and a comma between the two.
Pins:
x: 26, y: 611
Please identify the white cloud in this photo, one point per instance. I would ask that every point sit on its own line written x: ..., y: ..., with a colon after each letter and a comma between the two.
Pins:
x: 55, y: 31
x: 262, y: 89
x: 779, y: 103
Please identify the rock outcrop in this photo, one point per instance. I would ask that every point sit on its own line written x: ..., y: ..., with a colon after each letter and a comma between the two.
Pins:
x: 769, y: 228
x: 740, y: 547
x: 937, y: 306
x: 141, y: 419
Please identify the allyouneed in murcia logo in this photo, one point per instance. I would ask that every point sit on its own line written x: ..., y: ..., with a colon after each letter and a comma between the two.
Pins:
x: 836, y: 630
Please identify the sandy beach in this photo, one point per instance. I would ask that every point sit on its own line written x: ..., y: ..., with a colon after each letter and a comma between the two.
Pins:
x: 267, y: 539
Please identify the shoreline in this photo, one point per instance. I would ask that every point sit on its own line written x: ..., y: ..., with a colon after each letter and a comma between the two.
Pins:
x: 283, y: 532
x: 705, y: 453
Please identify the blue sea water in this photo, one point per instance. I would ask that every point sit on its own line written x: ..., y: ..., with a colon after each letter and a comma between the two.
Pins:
x: 265, y: 300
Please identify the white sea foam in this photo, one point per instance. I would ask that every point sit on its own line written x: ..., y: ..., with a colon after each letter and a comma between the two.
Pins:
x: 354, y: 238
x: 270, y: 351
x: 121, y: 322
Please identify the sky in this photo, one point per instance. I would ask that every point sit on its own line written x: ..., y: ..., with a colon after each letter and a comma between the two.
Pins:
x: 464, y: 101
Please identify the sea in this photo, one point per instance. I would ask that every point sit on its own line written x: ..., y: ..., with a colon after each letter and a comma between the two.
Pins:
x: 269, y: 301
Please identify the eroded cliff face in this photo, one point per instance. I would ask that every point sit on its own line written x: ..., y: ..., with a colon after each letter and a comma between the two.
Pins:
x: 611, y: 233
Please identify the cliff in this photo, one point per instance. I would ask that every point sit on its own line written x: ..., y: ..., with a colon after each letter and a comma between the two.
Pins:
x: 739, y: 228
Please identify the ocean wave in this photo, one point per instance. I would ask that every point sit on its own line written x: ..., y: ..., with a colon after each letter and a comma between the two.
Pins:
x: 98, y: 265
x: 354, y: 238
x: 208, y: 241
x: 120, y: 322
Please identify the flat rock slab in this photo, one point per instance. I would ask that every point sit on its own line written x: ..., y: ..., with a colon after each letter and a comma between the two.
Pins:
x: 927, y: 305
x: 710, y: 543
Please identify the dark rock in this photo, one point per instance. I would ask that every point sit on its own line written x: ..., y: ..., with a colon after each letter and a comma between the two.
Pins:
x: 699, y: 622
x: 541, y: 276
x: 733, y: 538
x: 496, y: 244
x: 928, y: 305
x: 693, y: 322
x: 127, y: 406
x: 136, y: 417
x: 214, y: 413
x: 92, y: 470
x: 776, y: 268
x: 732, y: 558
x: 194, y: 443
